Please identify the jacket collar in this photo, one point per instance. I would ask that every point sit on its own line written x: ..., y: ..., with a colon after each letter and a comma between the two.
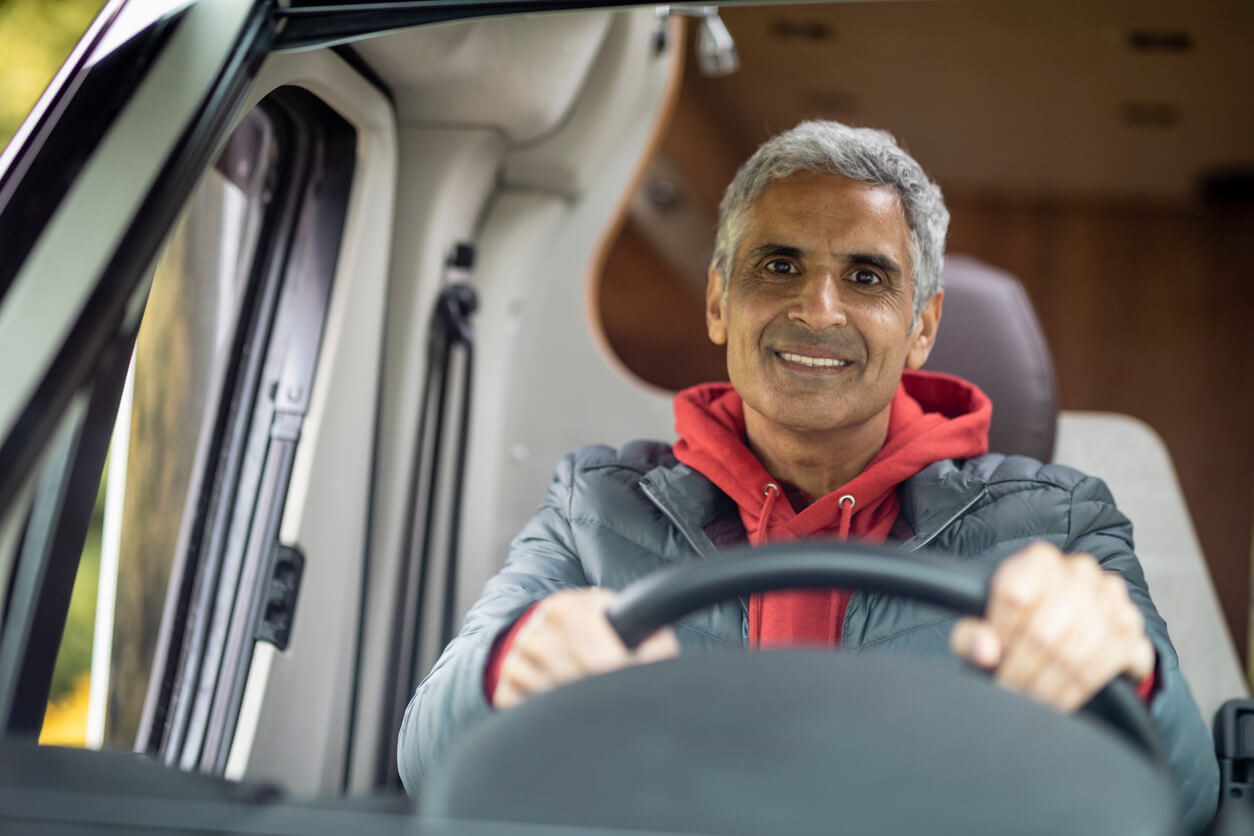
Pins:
x: 931, y: 500
x: 690, y: 501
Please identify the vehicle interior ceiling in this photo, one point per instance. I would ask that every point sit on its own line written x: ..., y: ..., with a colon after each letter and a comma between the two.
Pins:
x: 1099, y: 154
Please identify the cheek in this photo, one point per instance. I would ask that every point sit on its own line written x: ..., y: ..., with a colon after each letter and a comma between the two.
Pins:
x: 888, y: 337
x: 746, y: 332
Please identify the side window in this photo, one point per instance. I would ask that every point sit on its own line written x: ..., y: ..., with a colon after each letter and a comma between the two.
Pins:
x: 182, y: 572
x: 168, y: 410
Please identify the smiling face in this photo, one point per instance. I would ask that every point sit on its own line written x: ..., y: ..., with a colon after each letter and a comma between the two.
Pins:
x: 818, y: 317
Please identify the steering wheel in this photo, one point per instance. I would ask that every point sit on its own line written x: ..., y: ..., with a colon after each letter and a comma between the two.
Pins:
x: 805, y: 741
x: 665, y: 597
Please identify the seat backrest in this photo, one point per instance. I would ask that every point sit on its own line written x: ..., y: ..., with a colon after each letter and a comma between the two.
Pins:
x: 990, y: 335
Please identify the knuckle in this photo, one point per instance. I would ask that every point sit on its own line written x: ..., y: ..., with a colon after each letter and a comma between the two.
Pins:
x: 1041, y: 550
x: 1084, y: 560
x: 1086, y: 673
x: 1113, y: 585
x: 1085, y: 567
x: 1013, y: 587
x: 1030, y: 644
x: 1049, y: 634
x: 507, y: 666
x: 511, y: 669
x: 549, y: 609
x: 1127, y: 617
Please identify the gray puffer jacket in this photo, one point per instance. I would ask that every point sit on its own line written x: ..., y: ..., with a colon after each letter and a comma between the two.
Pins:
x: 611, y: 517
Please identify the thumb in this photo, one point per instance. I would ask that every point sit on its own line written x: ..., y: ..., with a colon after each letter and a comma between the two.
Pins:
x: 976, y: 641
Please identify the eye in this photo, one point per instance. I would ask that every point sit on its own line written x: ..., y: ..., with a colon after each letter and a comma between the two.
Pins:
x: 866, y: 277
x: 781, y: 267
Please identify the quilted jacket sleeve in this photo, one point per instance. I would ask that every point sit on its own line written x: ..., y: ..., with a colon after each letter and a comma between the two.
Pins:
x: 450, y: 699
x: 1098, y: 528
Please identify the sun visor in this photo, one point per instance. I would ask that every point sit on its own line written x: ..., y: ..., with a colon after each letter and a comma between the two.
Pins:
x: 520, y: 75
x: 625, y: 86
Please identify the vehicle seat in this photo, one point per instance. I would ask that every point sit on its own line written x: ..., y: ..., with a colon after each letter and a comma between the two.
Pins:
x: 990, y: 336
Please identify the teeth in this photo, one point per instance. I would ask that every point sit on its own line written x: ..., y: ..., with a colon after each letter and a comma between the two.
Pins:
x: 817, y: 362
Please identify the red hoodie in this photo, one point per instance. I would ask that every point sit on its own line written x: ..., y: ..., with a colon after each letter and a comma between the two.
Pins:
x: 933, y: 417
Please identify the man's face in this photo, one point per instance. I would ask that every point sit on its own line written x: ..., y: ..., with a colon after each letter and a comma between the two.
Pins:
x: 819, y: 308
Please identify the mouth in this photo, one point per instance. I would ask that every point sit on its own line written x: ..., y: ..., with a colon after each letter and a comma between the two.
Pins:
x: 809, y: 361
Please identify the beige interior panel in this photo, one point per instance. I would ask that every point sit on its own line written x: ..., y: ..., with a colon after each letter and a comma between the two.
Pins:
x: 519, y: 75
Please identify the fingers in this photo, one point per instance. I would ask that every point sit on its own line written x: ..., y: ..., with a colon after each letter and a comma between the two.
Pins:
x: 566, y: 638
x: 1044, y: 607
x: 519, y: 678
x: 1018, y: 587
x: 1075, y: 667
x: 1065, y: 628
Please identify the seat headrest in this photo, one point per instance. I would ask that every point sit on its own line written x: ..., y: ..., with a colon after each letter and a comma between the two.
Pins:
x: 990, y: 335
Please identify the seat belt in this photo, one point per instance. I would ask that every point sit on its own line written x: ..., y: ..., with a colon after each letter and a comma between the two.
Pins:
x: 449, y: 332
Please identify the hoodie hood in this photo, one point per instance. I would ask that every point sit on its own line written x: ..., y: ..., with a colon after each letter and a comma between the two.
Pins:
x: 933, y: 417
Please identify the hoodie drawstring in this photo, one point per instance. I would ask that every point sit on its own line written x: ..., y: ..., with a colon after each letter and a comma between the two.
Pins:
x: 772, y: 493
x: 846, y: 516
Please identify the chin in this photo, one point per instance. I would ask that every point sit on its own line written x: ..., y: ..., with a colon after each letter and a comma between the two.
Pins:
x: 818, y: 418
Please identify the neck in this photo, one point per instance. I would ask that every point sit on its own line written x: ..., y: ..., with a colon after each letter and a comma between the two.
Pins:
x: 816, y: 462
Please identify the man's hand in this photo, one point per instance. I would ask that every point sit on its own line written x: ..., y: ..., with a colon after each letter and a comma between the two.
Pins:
x: 1058, y: 628
x: 566, y: 638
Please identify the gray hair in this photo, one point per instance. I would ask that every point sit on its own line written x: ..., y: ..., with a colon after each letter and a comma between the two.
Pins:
x: 863, y: 154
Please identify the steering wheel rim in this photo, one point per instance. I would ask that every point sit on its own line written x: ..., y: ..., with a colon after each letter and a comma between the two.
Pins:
x: 665, y: 596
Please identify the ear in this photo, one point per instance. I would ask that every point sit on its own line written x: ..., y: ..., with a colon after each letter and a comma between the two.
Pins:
x: 924, y: 335
x: 715, y: 315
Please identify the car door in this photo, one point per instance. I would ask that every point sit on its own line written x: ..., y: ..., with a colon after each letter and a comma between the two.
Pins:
x: 89, y: 188
x: 174, y: 257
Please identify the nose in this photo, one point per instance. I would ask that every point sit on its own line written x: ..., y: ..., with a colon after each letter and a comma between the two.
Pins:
x: 819, y: 305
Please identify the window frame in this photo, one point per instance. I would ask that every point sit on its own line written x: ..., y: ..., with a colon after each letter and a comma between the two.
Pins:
x: 229, y: 540
x: 54, y: 530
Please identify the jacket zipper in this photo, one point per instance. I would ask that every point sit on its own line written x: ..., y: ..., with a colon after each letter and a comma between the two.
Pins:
x: 671, y: 516
x: 954, y: 516
x: 844, y: 628
x: 744, y: 605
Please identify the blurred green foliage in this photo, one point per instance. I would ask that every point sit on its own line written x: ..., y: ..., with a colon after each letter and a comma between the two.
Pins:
x: 74, y: 656
x: 36, y: 36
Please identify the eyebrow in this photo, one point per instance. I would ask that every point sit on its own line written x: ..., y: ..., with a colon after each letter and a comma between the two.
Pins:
x: 775, y: 249
x: 876, y: 260
x: 788, y: 251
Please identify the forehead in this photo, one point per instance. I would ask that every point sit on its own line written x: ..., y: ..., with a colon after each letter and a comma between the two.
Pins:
x: 810, y: 208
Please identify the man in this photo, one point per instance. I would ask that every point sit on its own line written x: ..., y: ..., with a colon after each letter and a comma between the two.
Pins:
x: 824, y: 288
